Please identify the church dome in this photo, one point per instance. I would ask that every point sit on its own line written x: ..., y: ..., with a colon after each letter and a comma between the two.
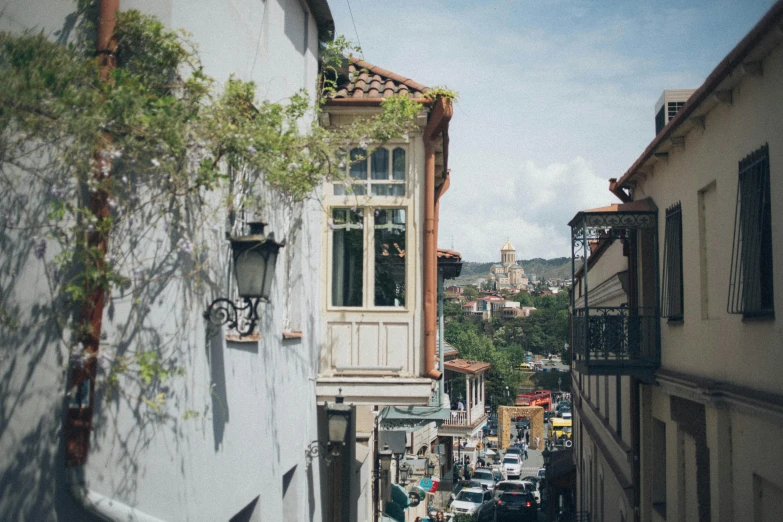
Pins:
x: 507, y: 247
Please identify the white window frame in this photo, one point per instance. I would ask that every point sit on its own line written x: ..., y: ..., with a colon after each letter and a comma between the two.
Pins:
x: 368, y: 204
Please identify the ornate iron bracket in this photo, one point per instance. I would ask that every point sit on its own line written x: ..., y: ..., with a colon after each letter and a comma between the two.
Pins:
x: 314, y: 450
x: 225, y: 311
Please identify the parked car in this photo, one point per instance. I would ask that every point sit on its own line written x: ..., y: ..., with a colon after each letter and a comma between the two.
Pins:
x: 463, y: 484
x: 485, y: 477
x: 523, y: 423
x: 469, y: 500
x: 512, y: 465
x: 542, y: 472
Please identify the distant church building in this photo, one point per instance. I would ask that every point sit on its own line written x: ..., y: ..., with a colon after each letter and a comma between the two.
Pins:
x: 507, y: 275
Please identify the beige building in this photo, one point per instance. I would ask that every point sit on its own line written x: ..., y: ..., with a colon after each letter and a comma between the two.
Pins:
x: 677, y: 358
x: 379, y: 273
x: 507, y: 275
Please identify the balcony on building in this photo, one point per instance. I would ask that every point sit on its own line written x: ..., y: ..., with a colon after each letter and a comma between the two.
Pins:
x: 465, y: 384
x: 614, y: 308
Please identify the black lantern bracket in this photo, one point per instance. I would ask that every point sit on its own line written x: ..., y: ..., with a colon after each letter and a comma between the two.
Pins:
x: 254, y: 257
x: 225, y: 311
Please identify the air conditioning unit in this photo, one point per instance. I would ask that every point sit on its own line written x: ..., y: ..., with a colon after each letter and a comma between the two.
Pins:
x: 668, y: 104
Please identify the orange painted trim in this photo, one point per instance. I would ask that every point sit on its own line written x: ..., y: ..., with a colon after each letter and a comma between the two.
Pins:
x: 440, y: 116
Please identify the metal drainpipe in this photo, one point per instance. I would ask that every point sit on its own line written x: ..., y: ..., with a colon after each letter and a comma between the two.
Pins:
x: 440, y: 341
x: 78, y: 421
x: 439, y: 119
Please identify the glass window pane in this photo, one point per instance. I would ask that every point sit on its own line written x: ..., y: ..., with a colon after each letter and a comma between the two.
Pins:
x: 358, y: 163
x: 339, y: 190
x: 347, y: 262
x: 388, y: 189
x: 380, y: 164
x: 380, y: 189
x: 390, y: 257
x: 398, y: 164
x: 356, y: 189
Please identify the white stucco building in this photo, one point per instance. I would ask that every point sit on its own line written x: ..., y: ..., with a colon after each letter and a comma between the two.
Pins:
x: 230, y: 439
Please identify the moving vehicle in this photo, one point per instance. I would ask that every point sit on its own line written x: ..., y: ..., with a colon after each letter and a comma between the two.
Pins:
x: 560, y: 429
x: 485, y: 477
x: 469, y: 500
x: 463, y: 484
x: 525, y: 367
x: 516, y: 505
x: 512, y: 466
x: 526, y: 486
x: 541, y: 398
x: 523, y: 423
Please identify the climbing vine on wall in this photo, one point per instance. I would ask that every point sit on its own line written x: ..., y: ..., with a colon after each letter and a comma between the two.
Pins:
x: 180, y: 155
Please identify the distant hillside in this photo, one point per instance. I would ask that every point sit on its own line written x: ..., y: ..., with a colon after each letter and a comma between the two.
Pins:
x: 557, y: 268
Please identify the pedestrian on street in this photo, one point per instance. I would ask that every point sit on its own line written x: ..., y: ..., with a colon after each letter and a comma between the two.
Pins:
x: 439, y: 517
x: 524, y: 447
x: 527, y: 436
x: 538, y: 442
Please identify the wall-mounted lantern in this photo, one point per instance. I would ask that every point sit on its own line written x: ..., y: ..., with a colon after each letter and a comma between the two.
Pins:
x: 338, y: 419
x: 254, y: 258
x: 384, y: 459
x: 430, y: 467
x: 403, y: 472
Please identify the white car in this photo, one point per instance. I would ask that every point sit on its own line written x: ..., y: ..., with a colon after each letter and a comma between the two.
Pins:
x: 469, y: 500
x: 512, y: 466
x: 528, y: 486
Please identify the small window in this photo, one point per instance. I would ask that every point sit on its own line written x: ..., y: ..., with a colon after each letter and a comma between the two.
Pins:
x: 672, y: 265
x: 386, y: 170
x: 750, y: 279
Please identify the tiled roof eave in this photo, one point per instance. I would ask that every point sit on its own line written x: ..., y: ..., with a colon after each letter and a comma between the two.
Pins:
x: 371, y: 102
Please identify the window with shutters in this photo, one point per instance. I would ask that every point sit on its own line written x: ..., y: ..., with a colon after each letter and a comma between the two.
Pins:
x: 750, y: 278
x: 672, y: 292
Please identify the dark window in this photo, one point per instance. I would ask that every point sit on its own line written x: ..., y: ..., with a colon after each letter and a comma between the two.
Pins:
x: 750, y: 278
x: 390, y: 257
x: 672, y: 265
x: 347, y: 257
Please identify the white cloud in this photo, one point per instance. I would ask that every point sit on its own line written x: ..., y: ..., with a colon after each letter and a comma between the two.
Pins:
x: 531, y: 206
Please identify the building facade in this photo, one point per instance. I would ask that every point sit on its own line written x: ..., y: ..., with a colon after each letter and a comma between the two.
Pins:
x: 507, y: 275
x: 228, y: 440
x: 676, y: 344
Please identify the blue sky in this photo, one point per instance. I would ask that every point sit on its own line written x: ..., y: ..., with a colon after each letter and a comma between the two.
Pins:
x: 555, y: 98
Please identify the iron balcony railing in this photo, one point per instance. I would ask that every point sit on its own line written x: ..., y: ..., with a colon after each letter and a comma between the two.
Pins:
x: 616, y: 335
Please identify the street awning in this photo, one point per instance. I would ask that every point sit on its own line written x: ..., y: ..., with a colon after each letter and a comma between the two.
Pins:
x: 410, y: 418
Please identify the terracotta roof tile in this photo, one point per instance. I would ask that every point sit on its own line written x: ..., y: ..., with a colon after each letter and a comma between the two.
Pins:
x: 362, y: 79
x: 466, y: 366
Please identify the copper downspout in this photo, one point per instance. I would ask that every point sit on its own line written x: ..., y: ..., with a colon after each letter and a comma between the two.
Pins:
x: 78, y: 422
x: 439, y: 121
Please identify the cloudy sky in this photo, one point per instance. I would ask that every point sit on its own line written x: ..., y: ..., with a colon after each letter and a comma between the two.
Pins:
x: 555, y: 97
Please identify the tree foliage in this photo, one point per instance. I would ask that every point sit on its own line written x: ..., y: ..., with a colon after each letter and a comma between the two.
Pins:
x: 503, y: 342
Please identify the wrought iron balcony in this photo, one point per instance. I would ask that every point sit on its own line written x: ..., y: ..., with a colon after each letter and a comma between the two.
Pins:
x: 615, y: 340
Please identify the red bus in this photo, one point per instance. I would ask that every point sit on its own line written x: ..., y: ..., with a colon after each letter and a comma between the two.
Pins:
x: 541, y: 398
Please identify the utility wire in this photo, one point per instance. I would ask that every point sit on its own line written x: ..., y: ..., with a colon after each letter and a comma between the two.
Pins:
x: 358, y: 42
